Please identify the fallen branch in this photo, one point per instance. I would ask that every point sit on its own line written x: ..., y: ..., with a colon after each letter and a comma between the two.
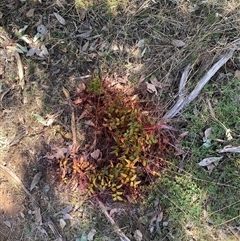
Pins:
x: 184, y: 100
x: 208, y: 76
x: 181, y: 93
x: 120, y: 233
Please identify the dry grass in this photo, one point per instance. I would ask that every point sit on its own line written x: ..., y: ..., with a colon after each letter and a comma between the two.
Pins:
x: 132, y: 41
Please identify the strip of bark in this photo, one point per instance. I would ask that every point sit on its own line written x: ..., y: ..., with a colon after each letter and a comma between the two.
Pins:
x: 182, y: 100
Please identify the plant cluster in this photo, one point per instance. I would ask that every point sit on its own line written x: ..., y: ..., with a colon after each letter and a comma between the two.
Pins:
x: 130, y: 150
x: 129, y: 139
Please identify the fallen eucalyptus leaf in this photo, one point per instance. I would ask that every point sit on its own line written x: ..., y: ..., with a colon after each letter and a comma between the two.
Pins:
x: 67, y: 216
x: 62, y: 223
x: 155, y: 81
x: 7, y: 223
x: 208, y: 133
x: 92, y: 46
x: 59, y: 153
x: 85, y: 46
x: 77, y: 101
x: 64, y: 211
x: 33, y: 51
x: 42, y: 230
x: 67, y: 209
x: 30, y: 13
x: 38, y: 216
x: 84, y: 35
x: 138, y: 235
x: 35, y: 180
x: 41, y: 33
x: 44, y: 52
x: 151, y: 88
x: 91, y: 234
x: 95, y: 154
x: 46, y: 188
x: 81, y: 13
x: 210, y: 160
x: 60, y: 18
x: 178, y: 43
x: 141, y: 43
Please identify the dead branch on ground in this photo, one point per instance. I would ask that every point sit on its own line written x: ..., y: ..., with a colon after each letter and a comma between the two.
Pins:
x: 183, y: 99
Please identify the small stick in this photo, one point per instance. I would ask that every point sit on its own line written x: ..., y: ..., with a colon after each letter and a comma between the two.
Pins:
x: 20, y: 69
x: 122, y: 236
x: 73, y: 122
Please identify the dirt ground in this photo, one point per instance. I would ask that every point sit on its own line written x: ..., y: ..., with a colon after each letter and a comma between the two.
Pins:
x: 24, y: 140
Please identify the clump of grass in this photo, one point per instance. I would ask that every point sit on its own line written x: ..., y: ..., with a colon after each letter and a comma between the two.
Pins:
x: 128, y: 143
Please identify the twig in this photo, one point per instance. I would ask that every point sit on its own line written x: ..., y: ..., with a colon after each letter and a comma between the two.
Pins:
x: 20, y: 69
x: 228, y: 221
x: 73, y: 122
x: 122, y: 236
